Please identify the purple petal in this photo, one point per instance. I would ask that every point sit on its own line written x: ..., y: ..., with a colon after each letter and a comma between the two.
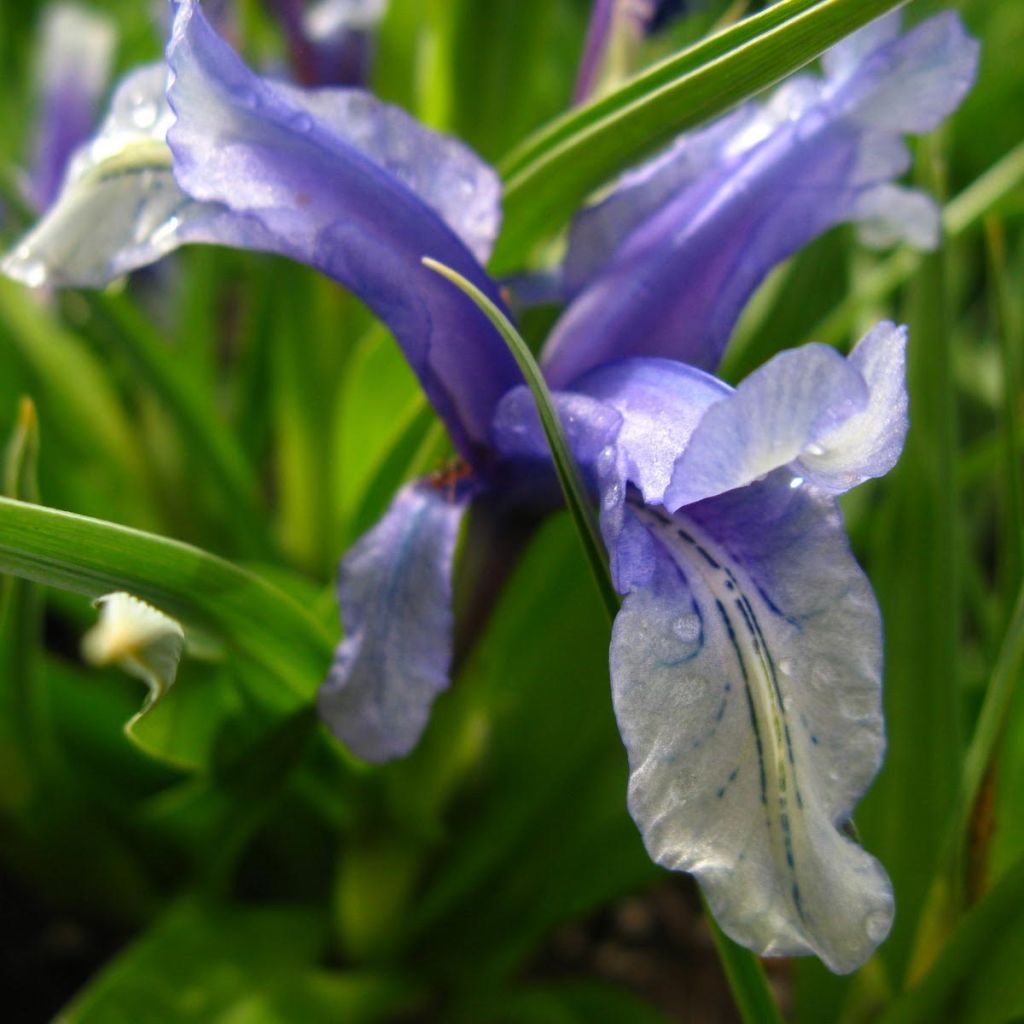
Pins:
x: 395, y: 592
x: 346, y: 184
x: 660, y: 402
x: 675, y: 283
x: 746, y: 675
x: 73, y: 68
x: 341, y: 37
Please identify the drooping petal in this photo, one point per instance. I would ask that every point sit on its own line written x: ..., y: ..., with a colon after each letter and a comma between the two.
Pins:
x: 120, y: 207
x: 746, y: 668
x: 835, y: 422
x: 354, y: 188
x: 395, y: 592
x: 674, y: 285
x: 73, y: 68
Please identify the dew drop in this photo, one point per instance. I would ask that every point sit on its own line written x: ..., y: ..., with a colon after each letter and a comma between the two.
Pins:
x: 796, y: 482
x: 815, y: 449
x: 876, y: 925
x: 302, y: 123
x: 786, y: 667
x: 145, y: 115
x: 687, y: 628
x: 23, y: 266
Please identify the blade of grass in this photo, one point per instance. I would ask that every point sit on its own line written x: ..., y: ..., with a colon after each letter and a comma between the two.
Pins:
x: 977, y: 937
x: 21, y: 625
x: 152, y: 359
x: 573, y: 487
x: 92, y: 557
x: 548, y: 177
x: 945, y: 898
x: 754, y: 998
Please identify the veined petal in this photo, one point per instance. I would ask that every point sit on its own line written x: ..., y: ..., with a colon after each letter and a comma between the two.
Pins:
x: 909, y: 83
x: 868, y: 443
x: 660, y: 402
x: 344, y: 183
x: 72, y: 69
x: 670, y: 259
x: 120, y: 207
x: 746, y: 674
x: 778, y: 412
x: 835, y: 422
x: 395, y: 592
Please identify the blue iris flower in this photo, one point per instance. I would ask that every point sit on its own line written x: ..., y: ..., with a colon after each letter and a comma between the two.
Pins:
x: 746, y: 660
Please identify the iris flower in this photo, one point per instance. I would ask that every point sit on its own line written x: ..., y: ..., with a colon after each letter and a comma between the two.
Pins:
x: 746, y: 660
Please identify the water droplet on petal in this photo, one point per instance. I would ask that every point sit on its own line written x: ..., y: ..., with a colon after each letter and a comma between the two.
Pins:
x: 24, y: 267
x: 302, y: 123
x: 145, y: 115
x: 687, y: 628
x: 786, y: 667
x: 796, y: 482
x: 876, y: 924
x: 815, y: 449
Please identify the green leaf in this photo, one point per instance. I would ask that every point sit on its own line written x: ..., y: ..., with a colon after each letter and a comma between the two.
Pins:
x: 78, y: 393
x: 979, y: 966
x: 24, y: 723
x: 573, y: 487
x: 548, y: 177
x: 749, y: 986
x: 200, y: 963
x: 204, y: 592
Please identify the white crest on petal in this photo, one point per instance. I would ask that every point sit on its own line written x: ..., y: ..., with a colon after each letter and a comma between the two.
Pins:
x: 120, y: 207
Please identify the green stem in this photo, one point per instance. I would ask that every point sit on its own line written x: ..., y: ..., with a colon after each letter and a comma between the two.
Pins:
x: 573, y: 487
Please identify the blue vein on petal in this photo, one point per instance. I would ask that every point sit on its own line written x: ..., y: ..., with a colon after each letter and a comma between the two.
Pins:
x: 760, y: 646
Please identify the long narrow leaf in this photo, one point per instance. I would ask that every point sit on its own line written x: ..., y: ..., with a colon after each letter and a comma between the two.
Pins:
x: 573, y: 487
x: 204, y: 592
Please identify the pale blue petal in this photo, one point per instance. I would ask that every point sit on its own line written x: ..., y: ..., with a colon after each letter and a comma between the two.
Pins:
x: 889, y: 214
x: 120, y: 207
x: 910, y: 83
x: 660, y: 402
x: 746, y: 673
x: 395, y: 593
x: 783, y: 409
x: 868, y: 443
x: 843, y: 60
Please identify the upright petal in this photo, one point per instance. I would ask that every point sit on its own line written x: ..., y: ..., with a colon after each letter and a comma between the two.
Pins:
x: 341, y: 37
x: 746, y: 669
x: 350, y: 186
x: 395, y: 592
x: 676, y: 282
x: 73, y: 68
x: 835, y: 422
